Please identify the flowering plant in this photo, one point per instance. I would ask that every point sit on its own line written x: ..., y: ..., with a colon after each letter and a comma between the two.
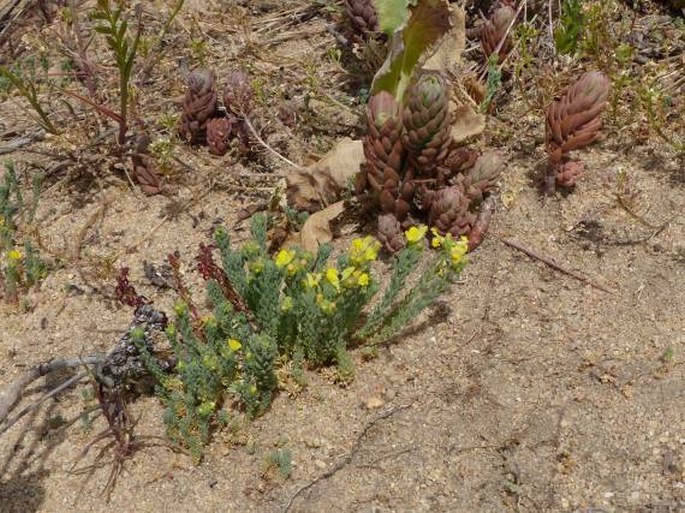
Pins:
x: 20, y: 264
x: 293, y: 307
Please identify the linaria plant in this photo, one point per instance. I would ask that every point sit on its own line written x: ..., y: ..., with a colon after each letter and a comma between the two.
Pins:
x: 294, y: 307
x: 20, y: 263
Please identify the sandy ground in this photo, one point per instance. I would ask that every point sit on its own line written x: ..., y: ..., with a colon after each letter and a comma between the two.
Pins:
x: 537, y: 392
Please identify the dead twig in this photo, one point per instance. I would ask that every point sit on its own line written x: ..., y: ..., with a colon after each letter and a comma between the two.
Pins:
x: 345, y: 460
x: 261, y: 141
x: 20, y: 142
x: 512, y: 243
x: 13, y: 392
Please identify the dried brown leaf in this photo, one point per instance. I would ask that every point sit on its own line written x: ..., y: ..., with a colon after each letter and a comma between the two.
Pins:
x: 448, y: 55
x: 321, y: 183
x: 317, y: 228
x: 466, y: 123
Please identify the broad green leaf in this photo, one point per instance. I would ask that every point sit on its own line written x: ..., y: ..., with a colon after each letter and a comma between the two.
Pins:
x: 392, y: 14
x: 411, y: 45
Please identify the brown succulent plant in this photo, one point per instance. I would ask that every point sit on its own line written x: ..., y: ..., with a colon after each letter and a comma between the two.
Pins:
x: 574, y: 121
x: 426, y: 120
x: 238, y: 93
x: 459, y: 160
x: 383, y: 171
x: 145, y: 170
x: 363, y: 17
x: 449, y: 211
x: 389, y: 233
x: 568, y: 174
x: 494, y: 32
x: 199, y: 106
x: 414, y: 169
x: 220, y: 134
x: 482, y: 177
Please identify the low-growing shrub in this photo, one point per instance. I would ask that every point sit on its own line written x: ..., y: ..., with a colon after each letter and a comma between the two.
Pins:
x: 294, y: 307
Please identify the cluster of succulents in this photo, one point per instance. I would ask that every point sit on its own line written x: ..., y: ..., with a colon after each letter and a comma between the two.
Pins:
x: 202, y: 120
x: 414, y: 171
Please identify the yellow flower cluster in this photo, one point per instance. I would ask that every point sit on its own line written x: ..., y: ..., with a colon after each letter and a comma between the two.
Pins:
x: 234, y: 344
x: 311, y: 281
x: 353, y: 277
x: 292, y: 261
x: 364, y: 251
x: 14, y: 255
x: 416, y: 234
x: 284, y: 258
x: 455, y: 249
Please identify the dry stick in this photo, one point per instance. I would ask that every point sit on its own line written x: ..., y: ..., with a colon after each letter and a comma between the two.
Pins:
x: 345, y: 460
x: 552, y: 263
x: 13, y: 392
x: 6, y: 17
x: 261, y: 141
x: 551, y: 24
x: 20, y: 142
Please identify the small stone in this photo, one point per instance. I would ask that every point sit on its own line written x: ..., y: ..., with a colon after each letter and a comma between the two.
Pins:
x: 374, y: 403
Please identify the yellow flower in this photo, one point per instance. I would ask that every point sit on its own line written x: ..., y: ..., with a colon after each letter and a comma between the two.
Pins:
x: 363, y: 280
x: 415, y: 234
x: 287, y: 304
x: 14, y: 255
x: 458, y: 251
x: 363, y: 251
x: 284, y: 258
x: 332, y: 278
x: 234, y: 344
x: 311, y: 281
x: 253, y: 389
x: 437, y: 238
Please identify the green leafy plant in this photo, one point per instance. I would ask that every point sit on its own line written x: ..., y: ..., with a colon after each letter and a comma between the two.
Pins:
x: 294, y: 308
x: 27, y: 88
x: 279, y: 460
x: 493, y: 83
x: 415, y: 29
x: 568, y: 33
x: 124, y: 47
x: 20, y: 263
